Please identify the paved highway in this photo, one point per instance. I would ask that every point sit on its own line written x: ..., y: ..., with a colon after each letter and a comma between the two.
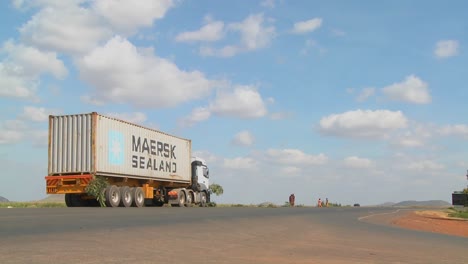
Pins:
x: 218, y: 235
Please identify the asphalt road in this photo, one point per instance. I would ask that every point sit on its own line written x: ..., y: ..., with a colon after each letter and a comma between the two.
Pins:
x: 218, y: 235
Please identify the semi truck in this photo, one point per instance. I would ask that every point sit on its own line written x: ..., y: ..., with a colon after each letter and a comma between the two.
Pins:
x: 140, y: 166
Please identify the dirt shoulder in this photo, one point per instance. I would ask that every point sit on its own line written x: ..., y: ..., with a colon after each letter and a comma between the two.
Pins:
x: 436, y: 221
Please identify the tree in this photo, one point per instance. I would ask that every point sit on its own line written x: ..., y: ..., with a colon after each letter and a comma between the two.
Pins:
x: 216, y: 189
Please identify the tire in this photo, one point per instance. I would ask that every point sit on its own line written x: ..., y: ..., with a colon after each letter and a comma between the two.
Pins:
x: 203, y: 200
x: 138, y: 197
x: 189, y: 199
x: 112, y: 196
x: 181, y: 199
x: 74, y: 200
x: 68, y: 200
x: 126, y: 197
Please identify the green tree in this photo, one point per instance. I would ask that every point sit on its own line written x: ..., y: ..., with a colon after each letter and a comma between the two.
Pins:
x: 216, y: 189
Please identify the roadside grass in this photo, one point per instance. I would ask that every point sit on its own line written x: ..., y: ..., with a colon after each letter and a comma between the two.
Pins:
x: 462, y: 213
x: 31, y: 205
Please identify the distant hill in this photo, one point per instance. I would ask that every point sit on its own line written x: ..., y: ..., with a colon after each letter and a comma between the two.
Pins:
x: 53, y: 198
x: 3, y: 200
x: 387, y: 204
x: 431, y: 203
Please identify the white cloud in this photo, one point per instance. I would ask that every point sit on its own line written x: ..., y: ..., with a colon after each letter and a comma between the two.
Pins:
x: 135, y: 117
x: 253, y: 35
x: 243, y: 102
x: 212, y: 31
x: 268, y: 3
x: 209, y: 157
x: 32, y: 62
x: 365, y: 94
x: 240, y: 163
x: 13, y: 84
x: 446, y: 48
x: 455, y: 130
x: 243, y: 138
x: 358, y: 163
x: 425, y: 165
x: 198, y: 114
x: 411, y: 90
x: 121, y: 73
x: 363, y: 123
x: 307, y: 26
x: 37, y: 114
x: 87, y: 99
x: 291, y: 170
x: 12, y: 131
x: 127, y: 16
x: 410, y: 142
x: 64, y: 26
x: 294, y: 157
x: 21, y: 69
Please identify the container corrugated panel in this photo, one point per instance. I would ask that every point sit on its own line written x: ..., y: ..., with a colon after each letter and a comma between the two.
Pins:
x: 120, y: 149
x: 70, y: 146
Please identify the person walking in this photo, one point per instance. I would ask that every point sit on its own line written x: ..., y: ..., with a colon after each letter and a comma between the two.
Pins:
x: 326, y: 202
x: 292, y: 199
x: 319, y: 203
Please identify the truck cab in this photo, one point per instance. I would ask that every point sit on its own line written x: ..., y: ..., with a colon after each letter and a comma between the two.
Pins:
x: 200, y: 175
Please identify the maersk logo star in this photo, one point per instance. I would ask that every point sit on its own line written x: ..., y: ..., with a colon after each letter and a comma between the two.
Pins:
x: 116, y: 148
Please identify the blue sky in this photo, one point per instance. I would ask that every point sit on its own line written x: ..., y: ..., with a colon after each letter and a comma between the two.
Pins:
x: 352, y: 101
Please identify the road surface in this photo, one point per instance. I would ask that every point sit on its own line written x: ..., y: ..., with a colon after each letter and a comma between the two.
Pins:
x: 218, y: 235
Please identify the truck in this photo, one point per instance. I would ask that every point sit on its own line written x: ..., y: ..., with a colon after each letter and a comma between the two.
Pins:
x: 140, y: 166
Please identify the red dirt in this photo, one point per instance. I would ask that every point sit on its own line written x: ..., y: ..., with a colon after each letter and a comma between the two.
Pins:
x: 433, y: 221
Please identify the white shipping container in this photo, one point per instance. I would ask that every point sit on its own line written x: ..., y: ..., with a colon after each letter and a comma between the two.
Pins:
x: 96, y: 144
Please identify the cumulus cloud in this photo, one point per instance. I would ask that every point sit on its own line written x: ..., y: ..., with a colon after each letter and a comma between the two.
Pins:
x: 32, y: 62
x: 38, y: 114
x: 65, y: 27
x: 22, y: 67
x: 121, y: 73
x: 365, y: 94
x: 127, y: 16
x: 411, y: 90
x: 291, y: 170
x: 294, y: 157
x: 363, y: 123
x: 455, y: 130
x: 241, y: 163
x: 307, y: 26
x: 358, y: 163
x: 12, y: 131
x: 198, y: 114
x: 254, y: 34
x: 243, y: 102
x: 425, y: 165
x: 135, y: 117
x: 14, y: 84
x: 446, y: 49
x: 243, y: 138
x: 212, y: 31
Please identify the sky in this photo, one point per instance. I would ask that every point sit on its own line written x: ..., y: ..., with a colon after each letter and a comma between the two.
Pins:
x: 354, y: 101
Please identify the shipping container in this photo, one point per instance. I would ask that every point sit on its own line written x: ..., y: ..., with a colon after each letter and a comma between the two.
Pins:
x: 100, y: 145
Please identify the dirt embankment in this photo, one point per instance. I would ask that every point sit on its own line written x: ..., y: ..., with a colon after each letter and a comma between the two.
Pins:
x: 433, y: 221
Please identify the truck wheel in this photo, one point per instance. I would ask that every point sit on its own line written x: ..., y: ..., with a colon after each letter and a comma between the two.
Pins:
x: 126, y: 197
x: 138, y: 197
x: 112, y: 196
x: 68, y: 200
x: 181, y: 199
x: 203, y: 199
x: 189, y: 199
